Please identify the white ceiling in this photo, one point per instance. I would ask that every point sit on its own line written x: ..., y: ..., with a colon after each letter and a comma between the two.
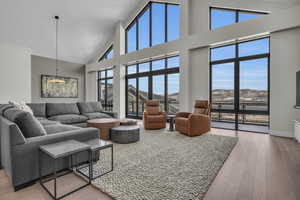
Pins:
x: 85, y: 25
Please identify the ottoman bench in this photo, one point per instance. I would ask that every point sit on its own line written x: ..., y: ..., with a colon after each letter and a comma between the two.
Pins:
x: 125, y: 134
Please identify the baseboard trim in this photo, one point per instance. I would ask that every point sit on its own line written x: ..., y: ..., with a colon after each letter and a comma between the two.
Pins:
x: 282, y: 134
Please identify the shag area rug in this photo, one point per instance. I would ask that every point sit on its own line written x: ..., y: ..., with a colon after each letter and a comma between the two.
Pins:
x: 163, y: 166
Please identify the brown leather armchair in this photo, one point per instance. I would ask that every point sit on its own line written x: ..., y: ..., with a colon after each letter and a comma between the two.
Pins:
x: 153, y: 118
x: 196, y: 123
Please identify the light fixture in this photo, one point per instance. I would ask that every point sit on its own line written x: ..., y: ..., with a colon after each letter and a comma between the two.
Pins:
x: 56, y: 79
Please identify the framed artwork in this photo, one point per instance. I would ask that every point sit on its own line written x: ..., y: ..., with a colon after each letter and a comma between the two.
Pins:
x: 67, y: 89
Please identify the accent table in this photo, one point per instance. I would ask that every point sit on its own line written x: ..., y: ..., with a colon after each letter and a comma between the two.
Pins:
x: 96, y: 146
x: 57, y: 151
x: 171, y: 119
x: 104, y: 125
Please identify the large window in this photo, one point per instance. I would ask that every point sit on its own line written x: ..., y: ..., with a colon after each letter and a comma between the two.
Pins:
x: 239, y: 89
x: 108, y: 54
x: 156, y: 24
x: 157, y: 79
x: 105, y: 89
x: 220, y: 17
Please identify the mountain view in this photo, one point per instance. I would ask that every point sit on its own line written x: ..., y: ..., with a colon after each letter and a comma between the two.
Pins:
x: 254, y: 100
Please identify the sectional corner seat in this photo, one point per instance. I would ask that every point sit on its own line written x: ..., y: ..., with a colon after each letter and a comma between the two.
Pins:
x: 21, y: 134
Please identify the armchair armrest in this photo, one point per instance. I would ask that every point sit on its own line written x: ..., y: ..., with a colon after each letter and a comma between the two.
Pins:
x: 80, y: 135
x: 199, y: 122
x: 183, y: 114
x: 162, y: 113
x: 199, y: 117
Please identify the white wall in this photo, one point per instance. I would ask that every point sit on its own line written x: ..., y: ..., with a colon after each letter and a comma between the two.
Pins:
x: 196, y: 38
x: 91, y: 90
x: 285, y: 62
x: 46, y: 66
x: 198, y: 75
x: 15, y: 73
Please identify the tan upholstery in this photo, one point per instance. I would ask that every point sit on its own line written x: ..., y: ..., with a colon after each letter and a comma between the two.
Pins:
x: 153, y: 118
x: 196, y: 123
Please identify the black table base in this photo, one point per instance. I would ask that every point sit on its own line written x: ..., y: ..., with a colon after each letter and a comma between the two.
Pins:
x: 94, y: 161
x: 54, y: 175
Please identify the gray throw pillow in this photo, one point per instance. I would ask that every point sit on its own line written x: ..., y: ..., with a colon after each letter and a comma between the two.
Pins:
x: 28, y: 124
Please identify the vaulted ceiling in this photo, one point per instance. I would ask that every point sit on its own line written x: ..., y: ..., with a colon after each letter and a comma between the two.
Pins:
x: 85, y: 25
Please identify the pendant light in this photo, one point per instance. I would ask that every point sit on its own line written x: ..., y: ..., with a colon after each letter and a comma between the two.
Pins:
x: 56, y: 79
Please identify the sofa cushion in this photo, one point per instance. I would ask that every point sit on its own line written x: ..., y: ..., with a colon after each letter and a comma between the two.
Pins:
x: 58, y: 128
x: 28, y: 124
x: 61, y: 109
x: 39, y: 109
x: 4, y: 107
x: 97, y: 115
x: 69, y: 118
x: 46, y: 122
x: 89, y: 107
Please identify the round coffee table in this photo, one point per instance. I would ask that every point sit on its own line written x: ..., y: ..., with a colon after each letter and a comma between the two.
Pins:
x: 104, y: 125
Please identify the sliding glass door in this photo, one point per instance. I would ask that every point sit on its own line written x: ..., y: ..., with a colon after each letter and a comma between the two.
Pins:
x: 222, y: 93
x: 239, y: 88
x: 253, y: 93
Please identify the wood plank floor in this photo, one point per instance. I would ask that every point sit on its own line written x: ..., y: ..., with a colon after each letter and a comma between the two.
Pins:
x: 260, y: 167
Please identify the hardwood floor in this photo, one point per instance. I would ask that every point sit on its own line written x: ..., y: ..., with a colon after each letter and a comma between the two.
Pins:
x: 260, y: 167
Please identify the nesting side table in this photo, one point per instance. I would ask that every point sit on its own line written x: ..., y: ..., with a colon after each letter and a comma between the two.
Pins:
x: 56, y: 151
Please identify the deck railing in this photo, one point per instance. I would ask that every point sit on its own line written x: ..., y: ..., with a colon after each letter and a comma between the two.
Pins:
x: 219, y: 115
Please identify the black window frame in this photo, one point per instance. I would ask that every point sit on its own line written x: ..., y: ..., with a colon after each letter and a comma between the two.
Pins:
x: 136, y: 19
x: 106, y: 105
x: 166, y: 71
x: 236, y: 60
x: 104, y: 56
x: 237, y: 11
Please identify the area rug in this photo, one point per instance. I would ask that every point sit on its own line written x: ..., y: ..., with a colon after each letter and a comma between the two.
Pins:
x: 164, y: 166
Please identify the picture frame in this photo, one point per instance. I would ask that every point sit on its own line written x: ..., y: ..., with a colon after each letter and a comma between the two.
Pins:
x: 68, y: 89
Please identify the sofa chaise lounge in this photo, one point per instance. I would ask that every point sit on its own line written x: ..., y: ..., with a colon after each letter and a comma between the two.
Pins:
x: 21, y: 134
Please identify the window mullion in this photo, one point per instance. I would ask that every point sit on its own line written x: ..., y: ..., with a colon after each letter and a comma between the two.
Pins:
x: 166, y: 22
x: 150, y: 23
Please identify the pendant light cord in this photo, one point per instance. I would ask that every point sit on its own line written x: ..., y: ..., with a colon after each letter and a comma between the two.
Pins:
x: 57, y: 18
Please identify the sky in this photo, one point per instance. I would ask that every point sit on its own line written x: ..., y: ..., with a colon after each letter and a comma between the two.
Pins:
x: 253, y: 73
x: 158, y: 81
x: 158, y: 27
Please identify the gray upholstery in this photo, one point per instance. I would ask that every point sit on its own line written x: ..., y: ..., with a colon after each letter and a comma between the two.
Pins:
x: 4, y: 107
x: 46, y: 122
x: 10, y: 135
x: 39, y: 109
x: 25, y: 162
x: 57, y: 128
x: 81, y: 125
x: 69, y: 118
x: 96, y: 115
x: 19, y: 155
x: 61, y: 109
x: 27, y: 123
x: 89, y: 107
x: 125, y: 134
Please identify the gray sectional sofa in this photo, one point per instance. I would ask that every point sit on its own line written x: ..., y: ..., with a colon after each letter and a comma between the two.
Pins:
x: 21, y: 134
